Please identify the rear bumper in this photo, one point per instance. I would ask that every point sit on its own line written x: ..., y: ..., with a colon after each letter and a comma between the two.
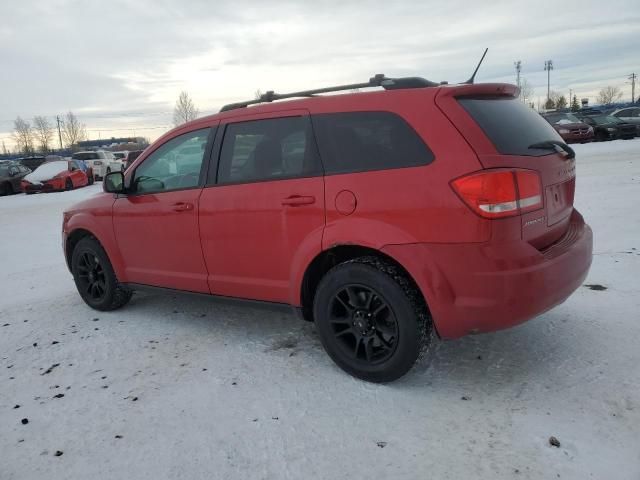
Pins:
x: 475, y: 288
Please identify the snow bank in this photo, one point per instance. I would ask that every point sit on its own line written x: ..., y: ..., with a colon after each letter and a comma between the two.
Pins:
x: 47, y: 171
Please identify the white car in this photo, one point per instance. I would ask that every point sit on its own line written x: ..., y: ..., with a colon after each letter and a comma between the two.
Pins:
x: 98, y: 161
x: 119, y: 163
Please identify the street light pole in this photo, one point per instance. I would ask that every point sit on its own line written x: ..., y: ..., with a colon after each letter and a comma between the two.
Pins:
x: 518, y: 66
x: 548, y: 66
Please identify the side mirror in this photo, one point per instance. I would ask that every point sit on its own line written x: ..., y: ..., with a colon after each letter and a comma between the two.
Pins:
x: 113, y: 182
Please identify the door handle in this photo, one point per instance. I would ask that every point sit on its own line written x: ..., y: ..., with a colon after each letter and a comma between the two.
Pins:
x: 182, y: 207
x: 298, y: 200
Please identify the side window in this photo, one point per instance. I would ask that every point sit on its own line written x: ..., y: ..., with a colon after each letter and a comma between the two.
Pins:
x: 623, y: 113
x: 634, y: 112
x: 269, y: 149
x: 176, y: 165
x: 362, y: 141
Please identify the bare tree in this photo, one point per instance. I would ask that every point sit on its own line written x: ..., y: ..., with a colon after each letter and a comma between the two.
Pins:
x: 609, y: 95
x: 23, y: 136
x: 4, y: 149
x: 257, y: 94
x: 185, y: 110
x: 43, y: 133
x: 73, y: 131
x: 526, y: 90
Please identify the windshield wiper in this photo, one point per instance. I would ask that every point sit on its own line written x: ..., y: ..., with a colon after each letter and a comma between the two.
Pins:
x: 555, y: 145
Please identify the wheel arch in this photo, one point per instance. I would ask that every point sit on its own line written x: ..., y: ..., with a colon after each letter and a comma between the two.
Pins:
x: 335, y: 255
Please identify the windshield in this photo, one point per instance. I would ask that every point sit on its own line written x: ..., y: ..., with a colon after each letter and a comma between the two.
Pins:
x: 561, y: 118
x: 510, y: 125
x: 85, y: 156
x: 4, y: 170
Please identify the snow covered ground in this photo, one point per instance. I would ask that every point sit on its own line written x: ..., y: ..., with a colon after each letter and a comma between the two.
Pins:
x: 184, y: 387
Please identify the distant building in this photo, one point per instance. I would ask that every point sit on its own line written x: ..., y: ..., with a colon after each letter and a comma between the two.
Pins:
x: 111, y: 143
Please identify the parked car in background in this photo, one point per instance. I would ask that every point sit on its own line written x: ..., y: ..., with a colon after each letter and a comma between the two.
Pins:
x: 629, y: 115
x: 11, y: 174
x: 98, y: 160
x: 119, y: 162
x: 570, y: 128
x: 32, y: 162
x: 607, y: 127
x: 385, y: 217
x: 57, y: 176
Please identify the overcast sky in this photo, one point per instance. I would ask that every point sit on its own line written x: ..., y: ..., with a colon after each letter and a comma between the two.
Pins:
x: 120, y: 65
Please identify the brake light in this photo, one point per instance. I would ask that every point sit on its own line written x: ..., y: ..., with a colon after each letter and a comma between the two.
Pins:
x: 500, y: 193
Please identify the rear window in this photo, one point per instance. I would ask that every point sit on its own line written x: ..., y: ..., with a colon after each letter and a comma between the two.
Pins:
x: 85, y: 156
x: 362, y: 141
x: 510, y: 125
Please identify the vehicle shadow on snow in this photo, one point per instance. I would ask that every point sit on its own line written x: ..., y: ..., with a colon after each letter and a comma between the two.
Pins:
x: 536, y: 351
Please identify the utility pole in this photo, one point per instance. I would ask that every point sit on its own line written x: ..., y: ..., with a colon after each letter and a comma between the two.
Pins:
x: 518, y: 66
x: 633, y: 78
x: 570, y: 98
x: 548, y: 66
x: 59, y: 133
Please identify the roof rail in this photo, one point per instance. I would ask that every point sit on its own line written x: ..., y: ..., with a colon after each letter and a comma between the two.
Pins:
x: 378, y: 80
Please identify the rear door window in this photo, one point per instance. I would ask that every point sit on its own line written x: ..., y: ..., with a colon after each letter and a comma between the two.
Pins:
x: 510, y: 125
x: 363, y: 141
x: 270, y: 149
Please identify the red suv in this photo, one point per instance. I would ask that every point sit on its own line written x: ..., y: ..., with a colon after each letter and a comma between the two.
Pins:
x: 384, y: 216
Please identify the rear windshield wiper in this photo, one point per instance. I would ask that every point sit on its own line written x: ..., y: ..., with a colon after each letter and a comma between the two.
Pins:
x: 555, y: 145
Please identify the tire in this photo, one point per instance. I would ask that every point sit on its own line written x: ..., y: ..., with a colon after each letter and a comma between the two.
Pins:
x: 94, y: 277
x: 6, y: 189
x: 349, y: 311
x: 68, y: 184
x: 90, y: 180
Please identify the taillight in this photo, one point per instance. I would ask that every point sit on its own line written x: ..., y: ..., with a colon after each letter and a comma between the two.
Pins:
x: 500, y: 193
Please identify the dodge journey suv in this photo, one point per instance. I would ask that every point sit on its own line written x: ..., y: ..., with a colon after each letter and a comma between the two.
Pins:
x: 386, y: 216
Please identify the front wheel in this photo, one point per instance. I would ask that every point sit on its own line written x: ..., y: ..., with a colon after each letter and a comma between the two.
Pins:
x: 6, y: 189
x: 371, y: 319
x: 68, y: 184
x: 90, y: 180
x: 94, y: 277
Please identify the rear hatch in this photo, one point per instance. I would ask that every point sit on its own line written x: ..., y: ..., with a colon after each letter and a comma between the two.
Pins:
x: 507, y: 134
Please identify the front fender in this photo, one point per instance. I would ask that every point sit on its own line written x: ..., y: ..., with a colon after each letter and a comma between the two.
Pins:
x: 99, y: 223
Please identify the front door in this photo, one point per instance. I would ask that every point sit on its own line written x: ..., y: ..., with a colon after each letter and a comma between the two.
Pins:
x: 156, y: 225
x: 266, y: 211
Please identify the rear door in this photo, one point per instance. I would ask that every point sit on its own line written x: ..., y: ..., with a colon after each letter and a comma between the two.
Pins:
x: 156, y: 225
x: 264, y: 212
x: 504, y: 133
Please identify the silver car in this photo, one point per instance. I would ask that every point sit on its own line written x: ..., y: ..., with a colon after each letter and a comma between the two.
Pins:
x: 629, y: 115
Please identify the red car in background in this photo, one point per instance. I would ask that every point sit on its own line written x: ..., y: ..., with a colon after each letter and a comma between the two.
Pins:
x: 570, y: 127
x: 58, y: 176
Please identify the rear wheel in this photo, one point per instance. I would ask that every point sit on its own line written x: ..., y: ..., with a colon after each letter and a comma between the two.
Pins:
x: 372, y: 321
x: 90, y: 179
x: 94, y: 277
x: 6, y: 189
x: 68, y: 184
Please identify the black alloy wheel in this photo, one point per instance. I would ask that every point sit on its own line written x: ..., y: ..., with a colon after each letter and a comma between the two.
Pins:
x: 363, y: 323
x: 371, y: 318
x: 91, y: 276
x: 94, y: 277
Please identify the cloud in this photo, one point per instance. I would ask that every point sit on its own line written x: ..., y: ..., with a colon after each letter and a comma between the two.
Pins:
x: 109, y: 61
